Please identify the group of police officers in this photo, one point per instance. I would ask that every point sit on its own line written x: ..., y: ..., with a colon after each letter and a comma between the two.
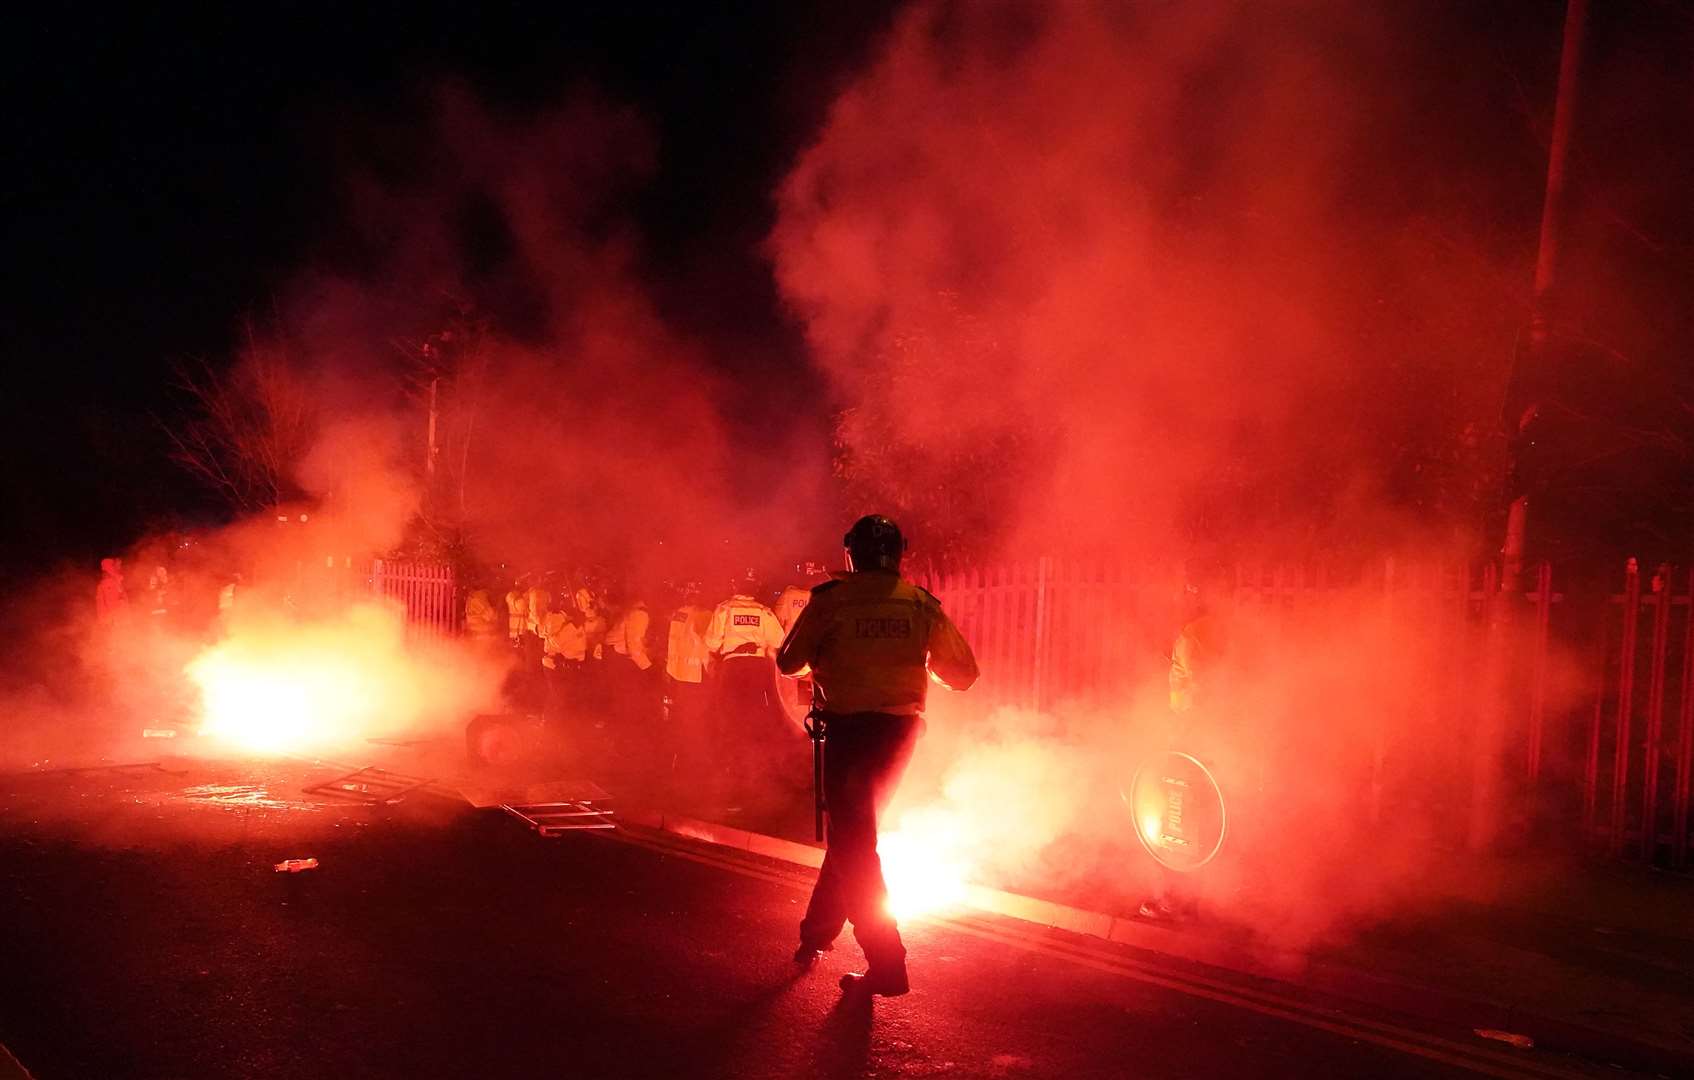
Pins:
x: 859, y: 649
x: 697, y: 692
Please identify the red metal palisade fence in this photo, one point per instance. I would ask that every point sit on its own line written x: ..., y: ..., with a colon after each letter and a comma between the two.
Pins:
x: 1640, y: 732
x: 1084, y: 632
x: 428, y: 592
x: 1617, y: 771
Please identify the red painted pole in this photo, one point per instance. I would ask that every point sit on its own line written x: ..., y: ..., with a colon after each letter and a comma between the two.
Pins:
x: 1655, y: 714
x: 1488, y: 720
x: 1591, y: 770
x: 1684, y: 741
x: 1538, y: 670
x: 1625, y: 707
x: 1659, y: 654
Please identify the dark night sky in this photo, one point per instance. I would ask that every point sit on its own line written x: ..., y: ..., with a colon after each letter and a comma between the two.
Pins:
x: 170, y: 172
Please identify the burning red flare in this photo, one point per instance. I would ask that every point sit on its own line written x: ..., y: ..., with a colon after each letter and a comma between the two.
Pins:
x: 278, y: 684
x: 924, y: 864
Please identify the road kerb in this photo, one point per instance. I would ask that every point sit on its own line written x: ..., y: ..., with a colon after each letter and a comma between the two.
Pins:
x: 1326, y: 977
x: 10, y: 1067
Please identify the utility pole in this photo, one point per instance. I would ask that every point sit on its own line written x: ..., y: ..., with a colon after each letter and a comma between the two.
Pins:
x: 430, y: 452
x: 1491, y: 731
x: 1546, y: 270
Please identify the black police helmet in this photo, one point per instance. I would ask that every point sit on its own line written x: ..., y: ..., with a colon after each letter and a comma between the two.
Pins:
x: 747, y: 584
x: 874, y: 543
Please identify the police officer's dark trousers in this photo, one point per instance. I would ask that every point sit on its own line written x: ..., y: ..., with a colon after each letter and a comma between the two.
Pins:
x: 535, y: 682
x: 746, y: 711
x: 865, y: 753
x: 685, y: 725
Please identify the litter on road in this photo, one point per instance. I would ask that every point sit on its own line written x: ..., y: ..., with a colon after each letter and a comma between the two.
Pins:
x: 1522, y: 1042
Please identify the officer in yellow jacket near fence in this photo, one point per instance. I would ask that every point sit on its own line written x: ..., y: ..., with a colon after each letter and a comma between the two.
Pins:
x: 741, y: 643
x: 537, y: 602
x: 629, y: 675
x: 628, y: 636
x: 565, y: 646
x: 795, y: 695
x: 110, y: 599
x: 685, y: 679
x: 1198, y: 660
x: 872, y: 641
x: 517, y: 612
x: 482, y: 623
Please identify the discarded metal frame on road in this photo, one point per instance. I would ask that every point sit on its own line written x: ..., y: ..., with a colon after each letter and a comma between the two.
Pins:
x: 371, y: 786
x: 558, y: 818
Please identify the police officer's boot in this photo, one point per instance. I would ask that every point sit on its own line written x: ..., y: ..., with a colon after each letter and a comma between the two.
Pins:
x: 807, y: 955
x: 889, y: 982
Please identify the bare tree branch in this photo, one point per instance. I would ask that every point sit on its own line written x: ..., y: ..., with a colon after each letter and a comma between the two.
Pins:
x: 248, y: 426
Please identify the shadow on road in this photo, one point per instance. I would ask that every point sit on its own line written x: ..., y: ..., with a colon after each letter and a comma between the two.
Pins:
x: 843, y: 1047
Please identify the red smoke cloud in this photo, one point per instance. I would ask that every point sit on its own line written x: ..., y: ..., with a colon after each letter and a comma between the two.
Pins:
x: 575, y: 423
x: 1179, y: 260
x: 1136, y: 279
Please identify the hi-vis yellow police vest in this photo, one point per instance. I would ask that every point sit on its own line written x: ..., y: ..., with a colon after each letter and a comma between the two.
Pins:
x: 789, y: 605
x: 685, y: 645
x: 872, y: 641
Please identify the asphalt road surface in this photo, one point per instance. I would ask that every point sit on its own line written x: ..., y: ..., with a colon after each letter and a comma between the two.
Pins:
x: 144, y: 933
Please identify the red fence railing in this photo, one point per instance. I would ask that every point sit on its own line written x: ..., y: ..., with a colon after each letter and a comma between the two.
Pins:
x: 1619, y: 771
x: 428, y: 592
x: 1640, y: 732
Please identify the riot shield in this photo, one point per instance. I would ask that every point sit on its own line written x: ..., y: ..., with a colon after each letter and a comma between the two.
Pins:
x: 1178, y: 810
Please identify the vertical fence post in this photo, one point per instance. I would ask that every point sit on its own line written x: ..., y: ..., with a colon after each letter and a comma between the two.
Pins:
x: 1596, y: 726
x: 1655, y: 714
x: 1625, y: 708
x: 1043, y: 566
x: 1538, y: 671
x: 1684, y: 740
x: 1489, y: 725
x: 993, y: 621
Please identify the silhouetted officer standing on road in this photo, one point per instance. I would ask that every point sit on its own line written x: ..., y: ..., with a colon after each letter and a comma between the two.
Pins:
x: 871, y: 641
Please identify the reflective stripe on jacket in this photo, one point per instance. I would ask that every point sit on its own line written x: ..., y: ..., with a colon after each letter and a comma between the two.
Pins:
x: 1195, y: 657
x: 872, y: 641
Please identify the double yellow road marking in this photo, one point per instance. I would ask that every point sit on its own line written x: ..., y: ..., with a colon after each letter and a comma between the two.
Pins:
x: 1511, y: 1065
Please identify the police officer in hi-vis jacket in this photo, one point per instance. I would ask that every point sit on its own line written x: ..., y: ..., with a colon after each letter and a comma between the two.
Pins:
x: 741, y: 643
x: 871, y: 641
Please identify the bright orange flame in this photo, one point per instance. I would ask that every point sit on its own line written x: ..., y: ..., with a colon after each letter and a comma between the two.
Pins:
x: 277, y: 683
x: 924, y: 865
x: 272, y: 703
